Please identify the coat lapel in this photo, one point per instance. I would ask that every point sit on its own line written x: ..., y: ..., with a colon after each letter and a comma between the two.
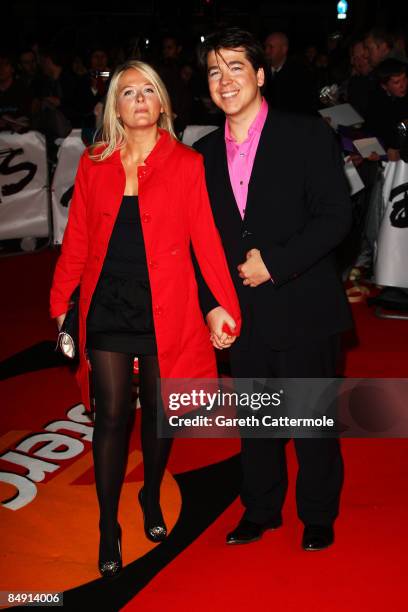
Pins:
x: 223, y: 182
x: 264, y: 158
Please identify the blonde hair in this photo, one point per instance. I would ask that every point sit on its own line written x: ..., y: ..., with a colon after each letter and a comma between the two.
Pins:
x: 113, y: 135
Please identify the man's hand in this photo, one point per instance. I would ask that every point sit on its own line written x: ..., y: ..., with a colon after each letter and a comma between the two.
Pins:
x: 216, y: 318
x: 393, y: 155
x: 54, y: 101
x: 253, y: 271
x: 356, y: 158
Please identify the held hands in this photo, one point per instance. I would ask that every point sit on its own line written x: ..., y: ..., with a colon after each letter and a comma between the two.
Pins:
x: 216, y: 319
x: 253, y: 271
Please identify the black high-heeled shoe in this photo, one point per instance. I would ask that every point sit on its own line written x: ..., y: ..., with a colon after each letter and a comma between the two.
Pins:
x: 154, y: 532
x: 111, y: 567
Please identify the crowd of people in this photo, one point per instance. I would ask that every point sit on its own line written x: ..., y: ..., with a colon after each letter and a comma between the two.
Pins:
x: 44, y: 89
x: 53, y: 92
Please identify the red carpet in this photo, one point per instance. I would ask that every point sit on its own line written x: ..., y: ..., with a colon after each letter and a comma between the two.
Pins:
x: 51, y: 543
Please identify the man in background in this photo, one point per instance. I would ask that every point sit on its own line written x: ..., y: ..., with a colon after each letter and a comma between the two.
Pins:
x: 289, y: 86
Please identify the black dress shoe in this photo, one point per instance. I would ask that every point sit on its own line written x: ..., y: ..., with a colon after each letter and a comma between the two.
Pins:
x: 317, y: 537
x: 155, y: 530
x: 247, y: 531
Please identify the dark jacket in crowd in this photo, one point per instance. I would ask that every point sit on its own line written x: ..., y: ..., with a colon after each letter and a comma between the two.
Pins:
x: 292, y: 88
x: 66, y: 89
x: 359, y: 91
x: 180, y: 95
x: 383, y: 115
x: 15, y: 101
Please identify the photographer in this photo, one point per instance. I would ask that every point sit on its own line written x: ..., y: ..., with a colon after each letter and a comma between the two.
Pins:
x: 15, y: 99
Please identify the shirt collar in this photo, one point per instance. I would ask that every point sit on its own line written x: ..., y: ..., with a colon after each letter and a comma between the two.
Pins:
x: 163, y: 147
x: 256, y: 125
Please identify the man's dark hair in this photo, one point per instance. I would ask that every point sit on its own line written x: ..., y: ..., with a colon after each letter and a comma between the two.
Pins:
x: 356, y: 40
x: 381, y: 35
x: 173, y: 36
x: 9, y: 57
x: 231, y: 38
x: 24, y: 50
x: 388, y: 69
x: 54, y: 54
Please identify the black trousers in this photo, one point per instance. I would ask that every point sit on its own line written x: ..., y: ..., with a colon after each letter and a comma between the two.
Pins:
x: 320, y: 472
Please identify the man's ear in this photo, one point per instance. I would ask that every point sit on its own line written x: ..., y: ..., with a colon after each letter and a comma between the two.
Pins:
x: 260, y: 77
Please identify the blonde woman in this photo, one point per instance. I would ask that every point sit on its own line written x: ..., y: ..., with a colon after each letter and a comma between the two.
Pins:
x: 139, y: 202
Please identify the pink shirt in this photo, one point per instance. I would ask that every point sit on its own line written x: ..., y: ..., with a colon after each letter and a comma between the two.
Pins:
x: 241, y: 157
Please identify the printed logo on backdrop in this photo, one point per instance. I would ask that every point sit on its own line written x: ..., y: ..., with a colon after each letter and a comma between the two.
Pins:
x: 7, y: 168
x: 67, y: 197
x: 24, y: 196
x: 390, y: 266
x: 63, y: 182
x: 399, y: 213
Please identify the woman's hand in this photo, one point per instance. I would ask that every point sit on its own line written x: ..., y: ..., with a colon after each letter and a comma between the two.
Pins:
x: 216, y: 319
x: 60, y: 320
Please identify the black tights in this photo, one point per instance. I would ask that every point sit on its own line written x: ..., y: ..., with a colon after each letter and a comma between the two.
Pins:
x: 112, y: 381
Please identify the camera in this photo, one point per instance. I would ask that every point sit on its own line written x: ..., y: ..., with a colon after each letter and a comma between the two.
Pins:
x: 402, y: 129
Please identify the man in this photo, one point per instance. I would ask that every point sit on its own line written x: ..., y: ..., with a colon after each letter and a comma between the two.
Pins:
x: 380, y: 46
x: 361, y: 83
x: 281, y: 205
x: 170, y: 71
x: 60, y: 88
x: 15, y: 99
x: 289, y: 86
x: 389, y: 104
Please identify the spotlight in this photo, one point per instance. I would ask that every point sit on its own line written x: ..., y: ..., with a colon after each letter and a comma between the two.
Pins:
x: 342, y: 7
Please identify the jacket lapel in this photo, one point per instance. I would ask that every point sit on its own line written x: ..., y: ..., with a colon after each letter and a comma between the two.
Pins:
x: 223, y: 182
x: 264, y: 159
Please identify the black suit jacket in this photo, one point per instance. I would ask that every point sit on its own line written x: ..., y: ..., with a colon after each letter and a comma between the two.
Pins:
x: 298, y: 210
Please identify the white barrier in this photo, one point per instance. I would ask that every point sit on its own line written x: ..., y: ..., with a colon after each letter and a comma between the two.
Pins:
x: 192, y: 133
x: 69, y: 154
x: 391, y: 261
x: 24, y: 198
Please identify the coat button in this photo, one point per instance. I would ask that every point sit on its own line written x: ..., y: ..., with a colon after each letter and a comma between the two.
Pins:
x: 146, y: 217
x: 174, y: 252
x: 246, y: 233
x: 158, y: 310
x: 164, y: 355
x: 153, y: 264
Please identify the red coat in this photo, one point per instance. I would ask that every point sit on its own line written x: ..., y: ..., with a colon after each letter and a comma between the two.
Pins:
x: 174, y: 210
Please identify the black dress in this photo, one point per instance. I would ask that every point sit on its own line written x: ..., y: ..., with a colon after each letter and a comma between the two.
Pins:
x: 120, y: 317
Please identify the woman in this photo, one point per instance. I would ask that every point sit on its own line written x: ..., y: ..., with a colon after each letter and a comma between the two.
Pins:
x: 139, y: 201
